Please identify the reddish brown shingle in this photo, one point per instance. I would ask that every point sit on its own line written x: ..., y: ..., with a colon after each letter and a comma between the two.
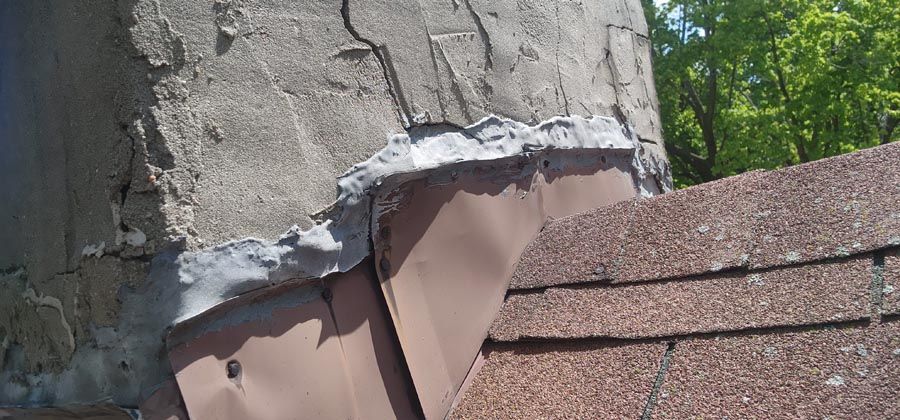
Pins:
x: 810, y: 294
x: 830, y: 208
x: 563, y: 381
x: 890, y: 303
x: 811, y: 237
x: 574, y: 249
x: 706, y: 228
x: 831, y: 373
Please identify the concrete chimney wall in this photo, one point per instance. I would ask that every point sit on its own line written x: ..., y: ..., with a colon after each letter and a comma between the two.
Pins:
x: 139, y: 127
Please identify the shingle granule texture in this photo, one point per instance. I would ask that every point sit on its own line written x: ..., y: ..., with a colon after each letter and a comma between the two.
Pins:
x: 800, y: 295
x: 563, y: 381
x: 579, y: 248
x: 702, y: 229
x: 890, y: 298
x: 829, y: 373
x: 830, y: 208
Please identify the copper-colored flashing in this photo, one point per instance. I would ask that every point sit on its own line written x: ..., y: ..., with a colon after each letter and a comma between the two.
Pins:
x: 446, y: 247
x: 321, y: 350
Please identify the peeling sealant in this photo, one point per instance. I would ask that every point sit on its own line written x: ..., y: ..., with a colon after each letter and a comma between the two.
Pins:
x: 210, y: 276
x: 181, y: 285
x: 54, y: 303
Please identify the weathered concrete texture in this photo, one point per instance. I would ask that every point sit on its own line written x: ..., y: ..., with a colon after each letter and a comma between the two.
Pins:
x: 262, y: 105
x: 809, y: 294
x: 102, y: 283
x: 66, y: 90
x: 36, y: 322
x: 563, y: 381
x: 58, y: 106
x: 458, y: 61
x: 830, y: 373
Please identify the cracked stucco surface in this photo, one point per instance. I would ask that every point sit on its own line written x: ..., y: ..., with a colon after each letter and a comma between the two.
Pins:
x: 138, y: 128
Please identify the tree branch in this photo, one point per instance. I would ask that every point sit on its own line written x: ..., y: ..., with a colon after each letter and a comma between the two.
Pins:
x: 701, y: 165
x: 779, y: 72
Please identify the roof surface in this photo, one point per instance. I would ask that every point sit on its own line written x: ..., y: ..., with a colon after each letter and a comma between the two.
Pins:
x: 765, y: 294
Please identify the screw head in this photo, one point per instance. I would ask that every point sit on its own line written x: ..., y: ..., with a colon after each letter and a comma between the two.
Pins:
x: 327, y: 295
x: 385, y: 265
x: 233, y: 369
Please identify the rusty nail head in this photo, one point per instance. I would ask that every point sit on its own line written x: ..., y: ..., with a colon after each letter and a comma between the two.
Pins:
x: 233, y: 369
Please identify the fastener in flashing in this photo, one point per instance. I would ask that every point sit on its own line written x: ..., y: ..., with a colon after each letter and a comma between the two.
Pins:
x: 327, y: 295
x: 233, y: 369
x: 385, y: 265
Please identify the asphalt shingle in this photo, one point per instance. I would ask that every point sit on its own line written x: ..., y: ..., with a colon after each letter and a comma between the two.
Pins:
x: 799, y: 295
x: 706, y: 228
x: 829, y: 373
x: 575, y: 249
x: 833, y: 207
x: 563, y: 381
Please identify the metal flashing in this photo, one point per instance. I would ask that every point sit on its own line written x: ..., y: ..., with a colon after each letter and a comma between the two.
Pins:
x: 446, y: 246
x: 396, y: 336
x: 329, y: 354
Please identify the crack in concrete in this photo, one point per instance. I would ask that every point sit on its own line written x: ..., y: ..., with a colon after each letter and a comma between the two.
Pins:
x: 381, y: 54
x: 558, y: 71
x: 485, y: 38
x: 614, y: 73
x: 442, y: 102
x: 455, y: 84
x: 120, y: 191
x: 625, y: 28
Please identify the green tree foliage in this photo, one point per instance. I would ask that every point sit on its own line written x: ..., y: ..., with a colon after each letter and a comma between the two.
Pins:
x: 747, y: 84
